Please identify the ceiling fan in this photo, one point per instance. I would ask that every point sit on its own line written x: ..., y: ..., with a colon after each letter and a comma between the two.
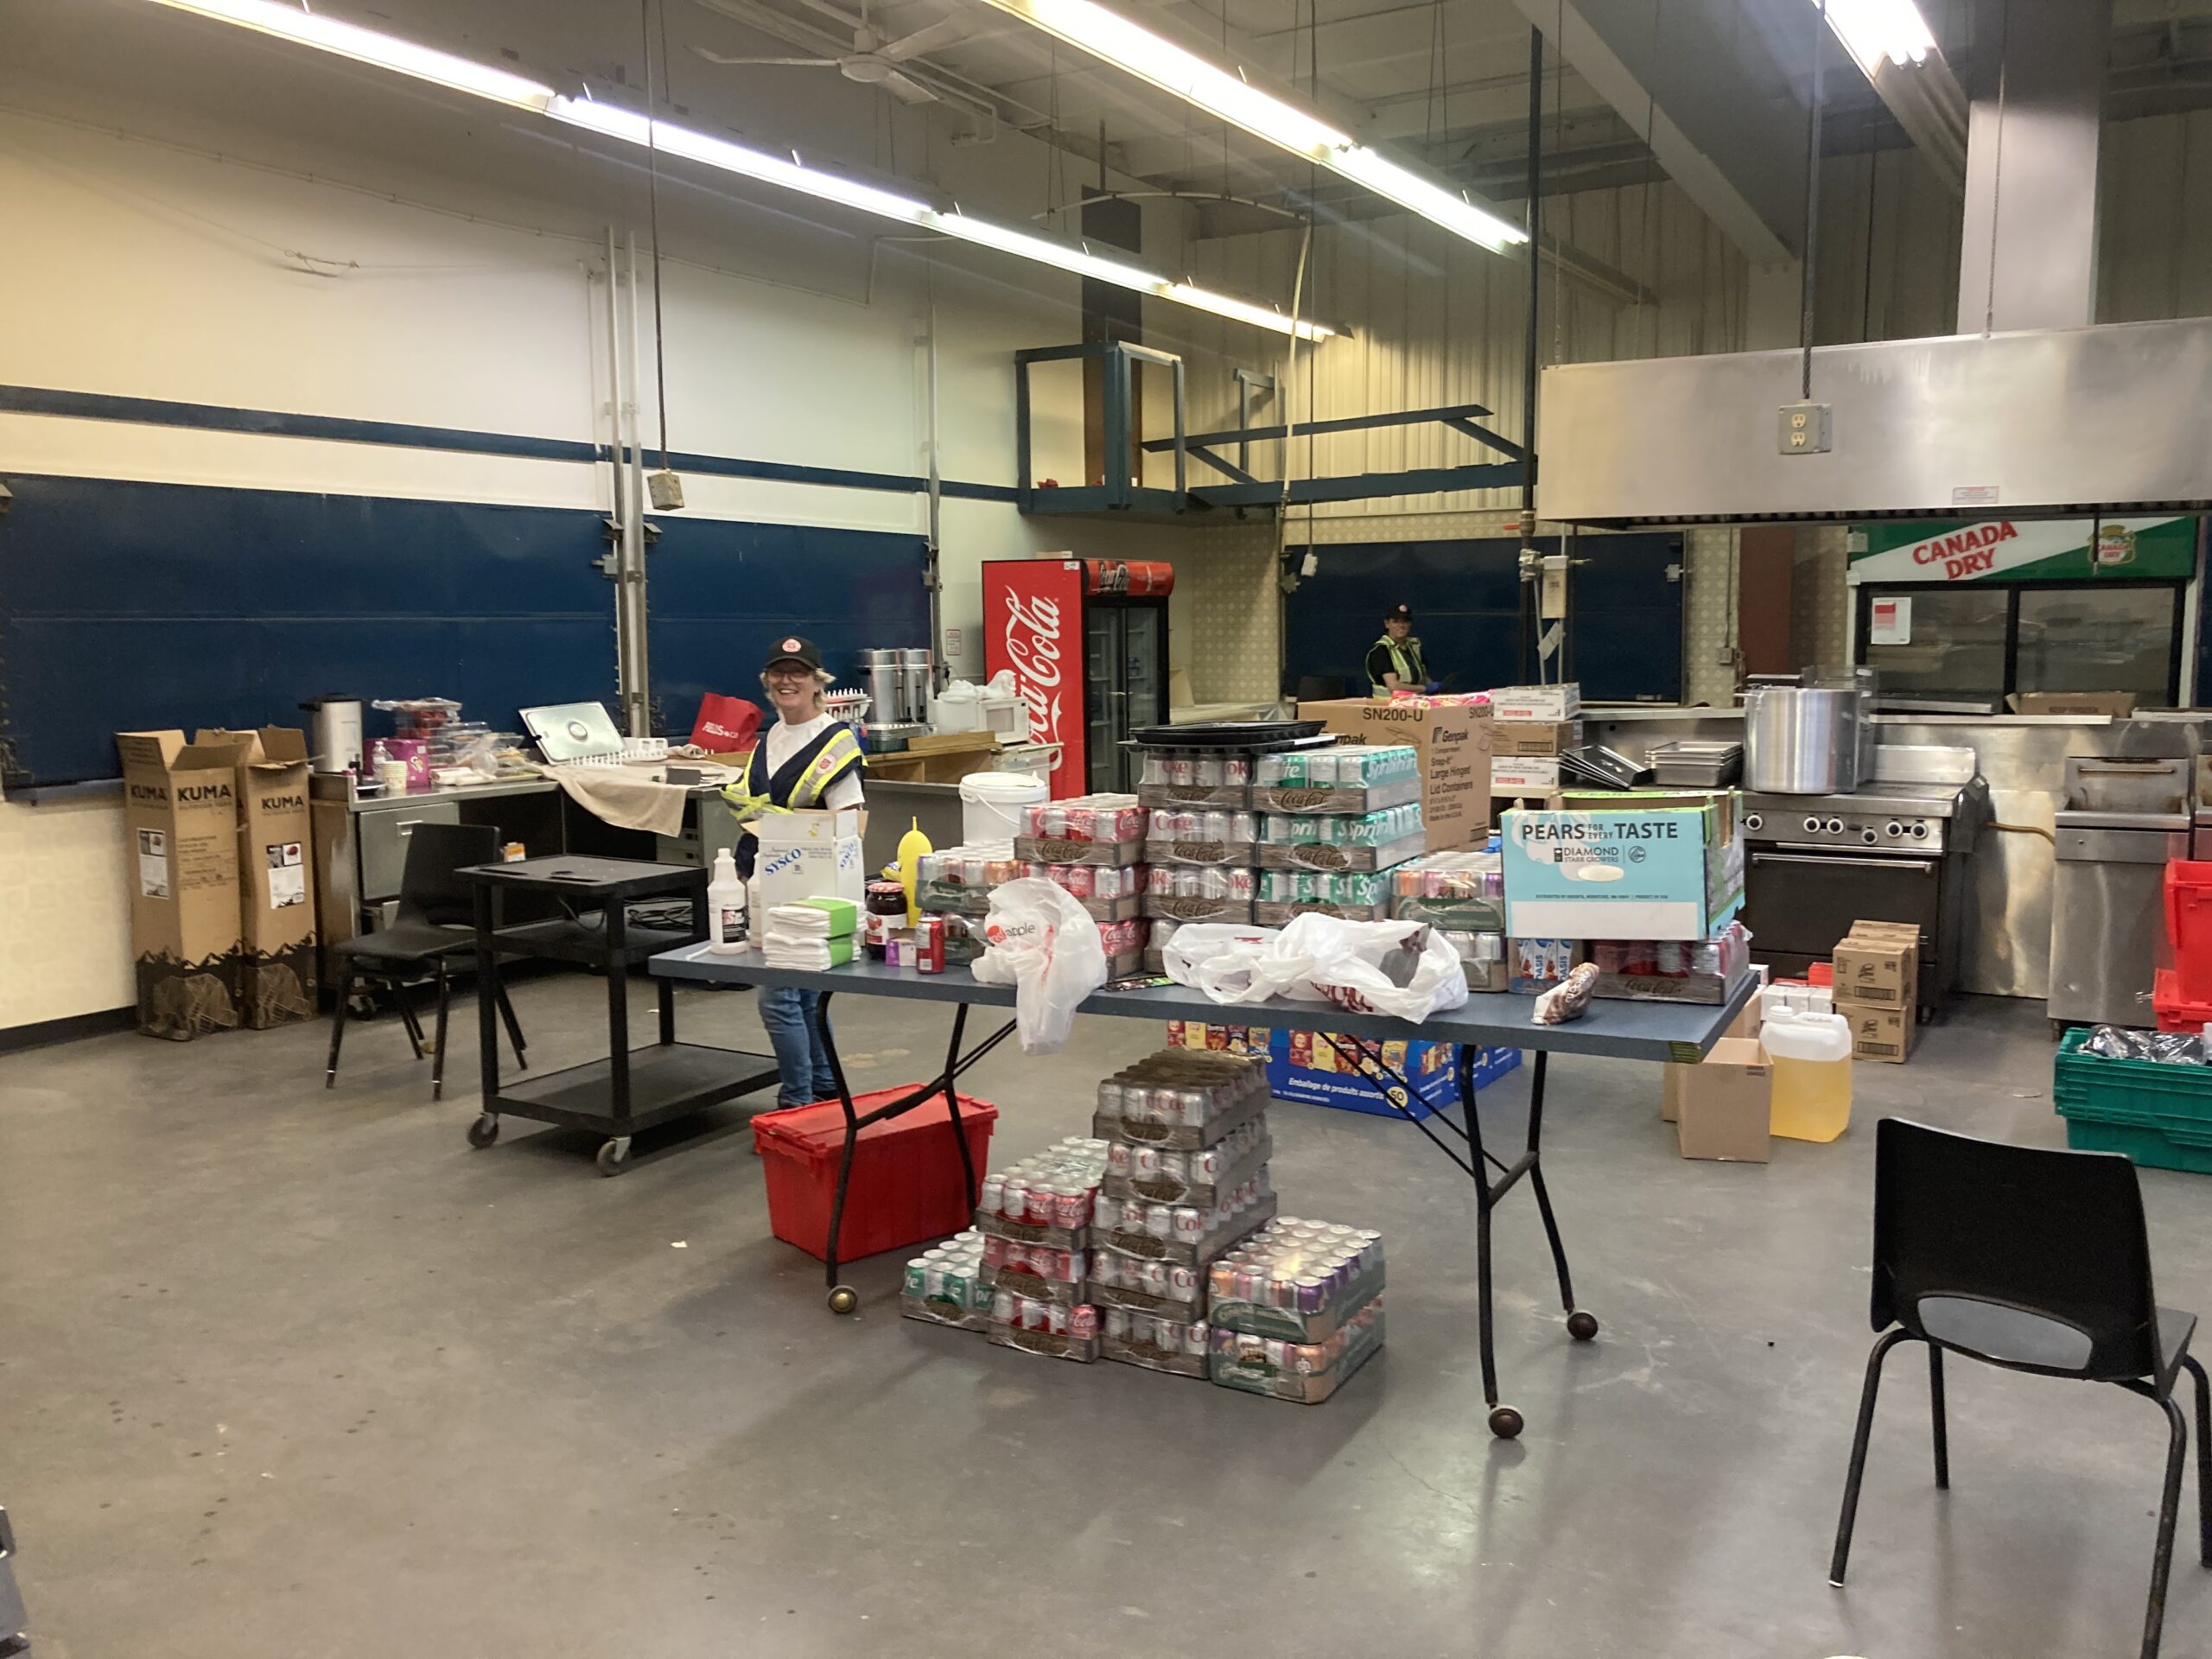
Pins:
x: 873, y: 61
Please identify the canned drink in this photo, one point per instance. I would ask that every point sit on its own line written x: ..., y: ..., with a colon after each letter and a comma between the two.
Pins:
x: 1083, y: 1322
x: 1153, y: 1277
x: 1081, y: 823
x: 953, y: 1284
x: 1005, y: 1307
x: 1013, y: 1198
x: 991, y: 1194
x: 1182, y: 1281
x: 1080, y: 880
x: 1040, y: 1210
x: 995, y: 1251
x: 1206, y: 772
x: 1206, y: 1166
x: 1051, y: 821
x: 1240, y: 884
x: 917, y: 1277
x: 928, y: 945
x: 1196, y: 1338
x: 1182, y: 767
x: 1116, y: 1323
x: 1145, y: 1161
x: 1121, y: 1159
x: 1237, y: 769
x: 1159, y: 1221
x: 1070, y: 1207
x: 1190, y: 1224
x: 1056, y: 1318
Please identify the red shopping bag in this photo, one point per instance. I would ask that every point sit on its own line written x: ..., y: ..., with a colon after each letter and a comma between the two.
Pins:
x: 726, y: 725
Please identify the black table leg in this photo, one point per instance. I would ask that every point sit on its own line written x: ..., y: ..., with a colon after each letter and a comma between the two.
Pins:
x: 952, y: 1106
x: 667, y: 1012
x: 614, y: 1152
x: 489, y: 993
x: 842, y: 1298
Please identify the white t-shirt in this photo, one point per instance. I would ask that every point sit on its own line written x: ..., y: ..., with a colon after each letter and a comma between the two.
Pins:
x: 785, y: 740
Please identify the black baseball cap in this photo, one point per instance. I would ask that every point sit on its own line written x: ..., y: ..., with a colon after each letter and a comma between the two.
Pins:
x: 1399, y: 613
x: 793, y: 649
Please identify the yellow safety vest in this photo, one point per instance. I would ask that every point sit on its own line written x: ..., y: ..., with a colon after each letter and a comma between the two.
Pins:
x: 1405, y: 663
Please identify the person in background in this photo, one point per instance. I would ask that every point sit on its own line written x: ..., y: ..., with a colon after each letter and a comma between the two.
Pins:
x: 804, y: 759
x: 1395, y: 662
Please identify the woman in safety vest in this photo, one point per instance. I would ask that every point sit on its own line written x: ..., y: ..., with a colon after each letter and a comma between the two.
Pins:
x: 1395, y: 662
x: 803, y: 759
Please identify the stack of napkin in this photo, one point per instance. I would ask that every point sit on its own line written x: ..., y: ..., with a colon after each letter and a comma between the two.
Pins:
x: 814, y: 933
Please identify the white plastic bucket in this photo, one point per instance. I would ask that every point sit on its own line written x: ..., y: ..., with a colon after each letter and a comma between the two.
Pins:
x: 991, y: 804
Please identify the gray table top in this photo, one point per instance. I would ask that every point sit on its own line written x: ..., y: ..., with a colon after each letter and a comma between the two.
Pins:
x: 1628, y: 1031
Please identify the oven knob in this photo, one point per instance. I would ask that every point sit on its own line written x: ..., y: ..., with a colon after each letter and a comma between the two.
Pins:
x: 1753, y: 820
x: 1920, y: 832
x: 1895, y: 828
x: 1835, y: 826
x: 1868, y: 836
x: 1812, y: 826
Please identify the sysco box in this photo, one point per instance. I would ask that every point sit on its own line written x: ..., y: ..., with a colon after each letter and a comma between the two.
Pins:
x: 1659, y: 873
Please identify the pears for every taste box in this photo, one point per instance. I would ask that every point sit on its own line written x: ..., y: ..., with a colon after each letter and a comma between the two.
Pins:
x: 180, y: 826
x: 1660, y: 872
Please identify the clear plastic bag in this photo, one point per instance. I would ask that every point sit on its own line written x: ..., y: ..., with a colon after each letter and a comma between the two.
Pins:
x: 2125, y: 1043
x: 1407, y: 970
x: 1041, y: 940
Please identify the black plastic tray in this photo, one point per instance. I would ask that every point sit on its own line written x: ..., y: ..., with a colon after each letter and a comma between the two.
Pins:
x: 1256, y: 735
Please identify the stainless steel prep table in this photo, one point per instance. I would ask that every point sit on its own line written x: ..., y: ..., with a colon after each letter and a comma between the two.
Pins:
x: 1629, y: 1031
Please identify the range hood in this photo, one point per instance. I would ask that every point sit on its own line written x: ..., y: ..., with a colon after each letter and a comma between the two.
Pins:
x: 2041, y: 423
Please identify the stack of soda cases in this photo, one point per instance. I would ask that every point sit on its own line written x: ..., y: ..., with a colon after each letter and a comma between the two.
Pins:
x: 1296, y: 1309
x: 1201, y: 837
x: 945, y: 1285
x: 1186, y: 1177
x: 1036, y: 1223
x: 1092, y: 846
x: 1462, y: 895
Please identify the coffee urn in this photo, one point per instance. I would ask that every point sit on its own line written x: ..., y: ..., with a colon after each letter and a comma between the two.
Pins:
x: 334, y: 740
x: 916, y: 686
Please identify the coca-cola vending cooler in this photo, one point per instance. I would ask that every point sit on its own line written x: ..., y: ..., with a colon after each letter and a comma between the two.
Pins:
x: 1087, y: 640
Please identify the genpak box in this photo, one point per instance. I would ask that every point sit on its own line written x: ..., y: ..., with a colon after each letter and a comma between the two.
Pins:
x: 276, y: 968
x: 182, y: 826
x: 1454, y: 742
x: 1536, y: 737
x: 1538, y: 703
x: 1660, y: 872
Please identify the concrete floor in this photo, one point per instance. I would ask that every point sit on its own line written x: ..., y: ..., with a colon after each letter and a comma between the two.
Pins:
x: 285, y: 1372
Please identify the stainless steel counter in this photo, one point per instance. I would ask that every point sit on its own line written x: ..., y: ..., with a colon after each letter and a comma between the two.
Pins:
x: 2007, y: 947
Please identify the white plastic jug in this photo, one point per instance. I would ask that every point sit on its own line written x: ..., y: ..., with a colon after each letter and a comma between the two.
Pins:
x: 1811, y: 1052
x: 991, y: 804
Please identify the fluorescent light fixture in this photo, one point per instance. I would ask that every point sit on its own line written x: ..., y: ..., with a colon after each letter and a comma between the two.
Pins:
x: 1875, y: 30
x: 1108, y: 35
x: 629, y: 126
x: 367, y: 46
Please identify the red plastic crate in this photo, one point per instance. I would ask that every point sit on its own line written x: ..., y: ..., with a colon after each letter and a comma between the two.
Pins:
x: 1820, y: 973
x: 2189, y: 927
x: 906, y: 1184
x: 2176, y: 1012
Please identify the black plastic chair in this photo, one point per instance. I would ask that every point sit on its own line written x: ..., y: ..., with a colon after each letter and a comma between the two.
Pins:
x: 434, y: 929
x: 2036, y: 1260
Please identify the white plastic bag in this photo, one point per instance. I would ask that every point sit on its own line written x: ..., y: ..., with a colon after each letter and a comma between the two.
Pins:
x: 1322, y: 959
x: 1040, y: 941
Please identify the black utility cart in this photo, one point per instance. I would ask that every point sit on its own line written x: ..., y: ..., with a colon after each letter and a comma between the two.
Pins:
x: 630, y: 1089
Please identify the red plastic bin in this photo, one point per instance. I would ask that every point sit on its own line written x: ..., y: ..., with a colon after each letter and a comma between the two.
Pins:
x: 906, y: 1184
x: 2176, y: 1012
x: 2188, y: 926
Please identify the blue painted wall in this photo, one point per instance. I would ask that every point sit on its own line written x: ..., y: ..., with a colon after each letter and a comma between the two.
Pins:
x: 126, y: 605
x: 1624, y: 640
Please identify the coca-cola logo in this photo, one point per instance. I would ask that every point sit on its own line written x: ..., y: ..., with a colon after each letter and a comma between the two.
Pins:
x: 1032, y: 646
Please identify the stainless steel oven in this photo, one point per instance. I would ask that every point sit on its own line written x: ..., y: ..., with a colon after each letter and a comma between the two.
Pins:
x: 1814, y: 865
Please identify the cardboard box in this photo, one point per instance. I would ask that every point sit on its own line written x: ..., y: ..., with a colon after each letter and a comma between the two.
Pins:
x: 1454, y: 742
x: 1534, y: 737
x: 1878, y: 971
x: 1724, y: 803
x: 1656, y: 873
x: 1538, y: 703
x: 810, y: 828
x: 2117, y: 704
x: 790, y: 871
x: 1524, y: 775
x: 276, y: 967
x: 181, y: 824
x: 1720, y: 1108
x: 1880, y: 1034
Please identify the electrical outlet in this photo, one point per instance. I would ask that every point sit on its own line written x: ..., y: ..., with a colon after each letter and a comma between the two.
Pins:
x: 1805, y: 428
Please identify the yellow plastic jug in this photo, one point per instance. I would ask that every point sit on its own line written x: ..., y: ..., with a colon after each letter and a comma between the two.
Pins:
x: 1811, y: 1086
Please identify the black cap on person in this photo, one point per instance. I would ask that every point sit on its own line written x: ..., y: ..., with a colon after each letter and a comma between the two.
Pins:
x: 793, y: 649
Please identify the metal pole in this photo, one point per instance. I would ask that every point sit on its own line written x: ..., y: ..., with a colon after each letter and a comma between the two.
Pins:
x: 1805, y: 285
x: 937, y: 669
x: 638, y: 692
x: 1535, y: 282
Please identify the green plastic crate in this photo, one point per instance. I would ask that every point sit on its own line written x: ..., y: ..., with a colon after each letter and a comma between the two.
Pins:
x: 2159, y: 1115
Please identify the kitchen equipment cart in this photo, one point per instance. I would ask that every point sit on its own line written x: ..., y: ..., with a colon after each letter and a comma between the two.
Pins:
x: 629, y: 1090
x: 1636, y: 1030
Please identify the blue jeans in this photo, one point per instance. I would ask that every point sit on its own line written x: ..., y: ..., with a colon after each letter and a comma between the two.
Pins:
x: 794, y: 1022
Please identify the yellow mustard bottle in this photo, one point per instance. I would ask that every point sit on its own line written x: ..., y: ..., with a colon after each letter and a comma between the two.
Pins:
x: 911, y: 846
